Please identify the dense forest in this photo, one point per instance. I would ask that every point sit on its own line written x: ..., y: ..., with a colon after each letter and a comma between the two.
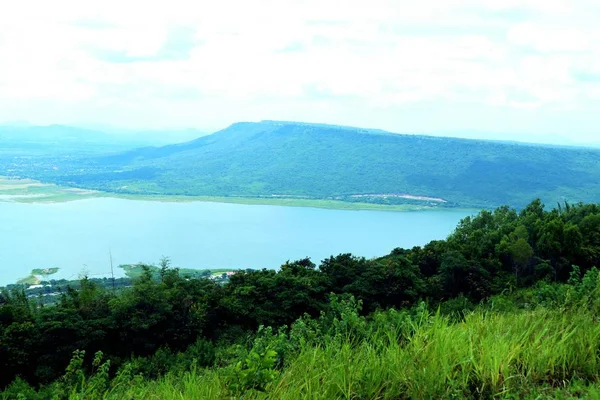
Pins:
x: 505, y: 307
x: 311, y: 161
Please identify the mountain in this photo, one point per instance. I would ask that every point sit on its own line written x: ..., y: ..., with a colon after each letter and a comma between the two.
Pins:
x: 49, y: 134
x: 275, y: 158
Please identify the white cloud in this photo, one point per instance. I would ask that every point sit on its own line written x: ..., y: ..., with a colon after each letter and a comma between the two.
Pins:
x: 119, y: 62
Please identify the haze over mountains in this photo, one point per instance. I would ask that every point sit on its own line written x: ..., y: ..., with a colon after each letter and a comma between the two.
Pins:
x: 274, y: 158
x: 525, y: 138
x: 59, y: 138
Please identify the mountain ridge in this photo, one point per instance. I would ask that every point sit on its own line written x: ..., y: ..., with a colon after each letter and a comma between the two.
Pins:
x: 256, y: 159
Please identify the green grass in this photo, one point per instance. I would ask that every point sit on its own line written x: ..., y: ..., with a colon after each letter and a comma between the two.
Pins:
x: 487, y: 355
x: 540, y: 354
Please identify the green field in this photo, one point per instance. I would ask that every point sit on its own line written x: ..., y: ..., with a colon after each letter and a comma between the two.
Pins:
x: 32, y: 191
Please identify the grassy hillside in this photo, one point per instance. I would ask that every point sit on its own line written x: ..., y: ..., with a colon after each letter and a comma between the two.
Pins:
x: 330, y: 162
x: 539, y: 354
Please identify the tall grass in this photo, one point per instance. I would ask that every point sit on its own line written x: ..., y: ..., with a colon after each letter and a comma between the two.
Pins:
x: 534, y: 354
x: 488, y: 355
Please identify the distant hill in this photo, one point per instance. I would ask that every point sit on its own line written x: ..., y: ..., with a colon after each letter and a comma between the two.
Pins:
x: 147, y: 137
x: 21, y: 136
x: 273, y: 158
x: 54, y: 139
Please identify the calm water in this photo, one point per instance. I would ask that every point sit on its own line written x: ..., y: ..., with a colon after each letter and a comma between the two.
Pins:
x: 77, y: 236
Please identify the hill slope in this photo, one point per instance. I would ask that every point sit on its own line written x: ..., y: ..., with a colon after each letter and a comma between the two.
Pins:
x: 322, y: 161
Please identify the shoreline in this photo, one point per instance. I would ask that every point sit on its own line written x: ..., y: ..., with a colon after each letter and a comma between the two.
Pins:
x: 38, y: 280
x: 27, y: 191
x: 38, y: 275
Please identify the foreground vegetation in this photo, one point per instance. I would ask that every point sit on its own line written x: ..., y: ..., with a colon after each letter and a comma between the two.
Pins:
x: 506, y: 307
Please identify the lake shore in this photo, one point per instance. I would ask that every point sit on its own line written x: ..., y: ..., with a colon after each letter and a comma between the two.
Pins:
x: 31, y: 191
x: 37, y: 275
x: 81, y: 236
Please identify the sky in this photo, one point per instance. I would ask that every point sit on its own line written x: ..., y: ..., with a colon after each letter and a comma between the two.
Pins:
x: 500, y: 69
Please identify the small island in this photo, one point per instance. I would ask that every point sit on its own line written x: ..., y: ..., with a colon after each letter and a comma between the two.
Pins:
x: 37, y: 275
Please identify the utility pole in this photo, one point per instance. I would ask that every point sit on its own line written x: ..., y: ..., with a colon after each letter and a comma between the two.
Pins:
x: 112, y: 272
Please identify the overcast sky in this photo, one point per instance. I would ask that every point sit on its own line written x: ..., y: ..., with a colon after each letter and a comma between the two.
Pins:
x: 530, y: 68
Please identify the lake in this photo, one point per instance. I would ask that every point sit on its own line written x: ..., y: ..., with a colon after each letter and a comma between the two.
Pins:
x: 78, y: 236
